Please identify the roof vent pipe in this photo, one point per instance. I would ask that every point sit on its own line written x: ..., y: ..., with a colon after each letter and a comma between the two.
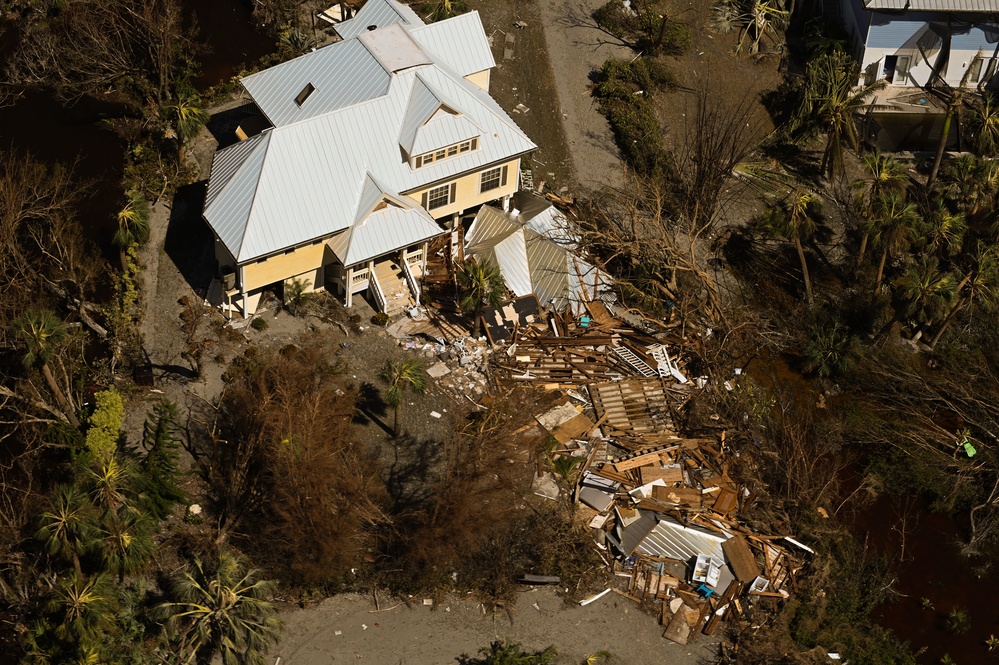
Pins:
x: 372, y: 27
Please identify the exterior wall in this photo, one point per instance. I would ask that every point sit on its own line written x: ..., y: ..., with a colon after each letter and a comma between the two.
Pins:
x: 899, y: 35
x: 467, y: 190
x: 284, y: 266
x: 480, y: 79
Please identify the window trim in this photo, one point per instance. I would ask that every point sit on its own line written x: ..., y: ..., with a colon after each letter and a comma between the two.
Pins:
x: 448, y: 151
x: 443, y: 198
x: 491, y: 177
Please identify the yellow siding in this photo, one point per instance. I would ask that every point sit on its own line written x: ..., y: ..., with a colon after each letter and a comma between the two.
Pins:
x: 467, y: 193
x: 480, y: 79
x: 283, y: 266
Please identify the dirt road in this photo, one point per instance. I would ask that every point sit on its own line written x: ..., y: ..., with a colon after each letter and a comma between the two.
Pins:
x: 577, y: 48
x: 344, y: 629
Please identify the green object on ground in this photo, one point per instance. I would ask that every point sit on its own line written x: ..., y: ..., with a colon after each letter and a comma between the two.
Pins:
x: 968, y: 448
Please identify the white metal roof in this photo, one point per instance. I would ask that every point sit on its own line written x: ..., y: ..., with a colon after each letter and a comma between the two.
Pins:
x: 383, y: 231
x: 378, y: 13
x: 448, y: 41
x: 495, y: 238
x: 343, y: 74
x: 303, y: 179
x: 935, y: 5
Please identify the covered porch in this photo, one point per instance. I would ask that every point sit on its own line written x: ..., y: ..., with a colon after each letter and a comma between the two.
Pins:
x: 393, y: 281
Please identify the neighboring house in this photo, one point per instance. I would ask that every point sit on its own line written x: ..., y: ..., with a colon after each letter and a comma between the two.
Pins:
x: 905, y: 41
x: 376, y: 141
x: 534, y: 245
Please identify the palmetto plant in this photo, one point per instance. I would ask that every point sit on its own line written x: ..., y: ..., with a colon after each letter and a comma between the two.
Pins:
x: 66, y: 529
x: 831, y: 352
x: 133, y: 225
x: 438, y: 10
x: 189, y: 116
x: 402, y: 376
x: 983, y: 125
x: 221, y: 610
x: 86, y: 609
x: 481, y: 284
x: 942, y: 231
x: 125, y: 542
x: 42, y: 333
x: 972, y: 182
x: 831, y: 99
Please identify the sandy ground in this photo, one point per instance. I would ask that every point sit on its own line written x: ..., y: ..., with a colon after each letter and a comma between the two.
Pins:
x: 577, y: 48
x: 334, y: 632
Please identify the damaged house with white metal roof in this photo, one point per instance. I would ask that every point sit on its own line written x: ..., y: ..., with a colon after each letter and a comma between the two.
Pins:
x: 377, y: 144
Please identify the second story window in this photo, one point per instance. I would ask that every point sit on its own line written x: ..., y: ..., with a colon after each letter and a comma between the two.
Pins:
x: 439, y: 197
x: 444, y: 153
x: 492, y: 179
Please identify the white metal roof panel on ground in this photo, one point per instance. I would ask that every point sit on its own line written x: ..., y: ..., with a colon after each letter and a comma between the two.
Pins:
x: 935, y: 5
x: 449, y: 40
x: 532, y: 262
x: 342, y: 75
x: 383, y: 231
x: 655, y: 536
x: 378, y: 13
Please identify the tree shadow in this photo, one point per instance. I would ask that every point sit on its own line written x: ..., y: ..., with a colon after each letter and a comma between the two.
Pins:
x: 371, y: 407
x: 223, y: 124
x: 408, y: 478
x: 189, y: 242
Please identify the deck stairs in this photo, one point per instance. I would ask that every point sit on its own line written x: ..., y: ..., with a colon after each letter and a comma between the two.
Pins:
x: 393, y: 285
x: 634, y: 362
x: 666, y: 366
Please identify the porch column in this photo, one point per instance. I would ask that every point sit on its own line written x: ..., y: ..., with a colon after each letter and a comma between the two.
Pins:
x: 348, y: 298
x: 506, y: 202
x: 423, y: 263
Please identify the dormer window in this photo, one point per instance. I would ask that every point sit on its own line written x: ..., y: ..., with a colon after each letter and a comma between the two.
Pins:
x: 444, y: 153
x: 306, y: 91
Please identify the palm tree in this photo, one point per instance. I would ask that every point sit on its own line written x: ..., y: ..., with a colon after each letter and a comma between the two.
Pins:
x: 481, y: 285
x: 133, y: 225
x: 66, y: 529
x: 955, y: 102
x: 925, y: 291
x: 971, y: 181
x: 400, y: 376
x: 444, y: 9
x: 221, y: 610
x: 794, y: 220
x: 106, y: 484
x: 831, y: 352
x: 942, y: 231
x: 42, y: 332
x: 86, y: 608
x: 983, y: 125
x: 980, y: 284
x: 886, y: 174
x: 830, y: 101
x: 891, y: 226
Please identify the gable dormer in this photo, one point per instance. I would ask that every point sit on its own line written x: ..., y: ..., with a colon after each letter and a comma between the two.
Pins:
x: 434, y: 129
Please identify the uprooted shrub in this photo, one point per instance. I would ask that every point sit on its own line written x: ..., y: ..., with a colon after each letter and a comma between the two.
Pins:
x: 286, y: 468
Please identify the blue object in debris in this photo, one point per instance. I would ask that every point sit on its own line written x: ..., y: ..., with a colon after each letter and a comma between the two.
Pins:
x: 584, y: 321
x: 706, y: 590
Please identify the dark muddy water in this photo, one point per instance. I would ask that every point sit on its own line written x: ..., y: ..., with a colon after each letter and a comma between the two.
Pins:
x: 933, y: 578
x: 53, y: 132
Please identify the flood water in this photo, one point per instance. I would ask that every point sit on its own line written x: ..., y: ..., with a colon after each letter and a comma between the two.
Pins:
x: 54, y: 132
x: 933, y: 578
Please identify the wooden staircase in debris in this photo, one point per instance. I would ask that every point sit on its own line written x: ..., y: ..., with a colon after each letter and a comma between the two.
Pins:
x: 394, y: 287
